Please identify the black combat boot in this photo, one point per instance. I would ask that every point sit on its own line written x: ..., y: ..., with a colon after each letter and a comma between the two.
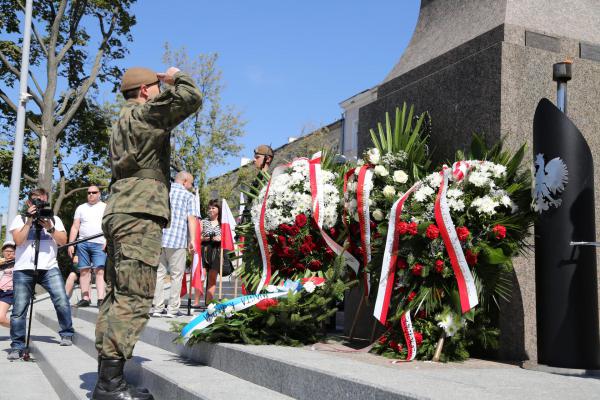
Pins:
x: 111, y: 384
x: 142, y: 390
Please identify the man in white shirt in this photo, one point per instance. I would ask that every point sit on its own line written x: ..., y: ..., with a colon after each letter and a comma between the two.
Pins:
x: 52, y: 234
x: 87, y: 222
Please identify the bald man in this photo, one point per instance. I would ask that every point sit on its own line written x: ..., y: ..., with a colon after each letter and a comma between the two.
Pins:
x: 184, y: 211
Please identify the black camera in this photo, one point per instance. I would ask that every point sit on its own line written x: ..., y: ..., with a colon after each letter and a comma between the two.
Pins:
x: 42, y: 210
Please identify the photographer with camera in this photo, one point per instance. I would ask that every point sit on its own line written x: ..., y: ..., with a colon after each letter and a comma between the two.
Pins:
x: 24, y: 229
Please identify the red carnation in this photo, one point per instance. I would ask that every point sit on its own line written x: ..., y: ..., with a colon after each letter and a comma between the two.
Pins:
x: 432, y: 232
x: 418, y: 338
x: 412, y: 228
x: 471, y: 257
x: 402, y: 263
x: 383, y: 340
x: 393, y: 345
x: 265, y: 304
x: 439, y: 266
x: 294, y: 230
x: 315, y: 265
x: 301, y: 220
x: 463, y: 233
x: 402, y: 228
x: 411, y: 296
x: 400, y: 347
x: 372, y: 224
x: 499, y: 231
x: 299, y: 266
x: 332, y: 232
x: 417, y: 269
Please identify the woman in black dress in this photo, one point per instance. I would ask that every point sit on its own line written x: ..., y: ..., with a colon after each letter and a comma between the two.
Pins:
x: 211, y: 247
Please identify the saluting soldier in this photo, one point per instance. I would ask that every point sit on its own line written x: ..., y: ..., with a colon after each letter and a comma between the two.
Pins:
x: 136, y: 212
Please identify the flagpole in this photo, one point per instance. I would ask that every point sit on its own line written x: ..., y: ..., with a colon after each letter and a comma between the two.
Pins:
x: 221, y: 273
x: 190, y: 287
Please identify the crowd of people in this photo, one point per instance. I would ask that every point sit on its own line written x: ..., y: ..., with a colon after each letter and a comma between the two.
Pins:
x: 141, y: 236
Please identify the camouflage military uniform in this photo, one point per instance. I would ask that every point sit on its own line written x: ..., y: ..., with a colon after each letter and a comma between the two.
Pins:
x: 136, y: 212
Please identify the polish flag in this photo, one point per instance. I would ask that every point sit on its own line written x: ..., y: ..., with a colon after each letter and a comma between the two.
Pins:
x: 227, y: 227
x: 198, y: 277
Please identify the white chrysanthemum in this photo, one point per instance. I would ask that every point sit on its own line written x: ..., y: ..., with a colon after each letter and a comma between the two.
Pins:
x: 229, y: 311
x: 381, y: 170
x: 378, y: 215
x: 456, y: 204
x: 498, y: 170
x: 400, y: 176
x: 454, y: 193
x: 309, y: 286
x: 289, y: 195
x: 485, y: 205
x: 423, y: 193
x: 389, y: 191
x: 480, y: 179
x: 434, y: 180
x: 450, y: 322
x: 506, y: 201
x: 373, y: 155
x: 211, y: 308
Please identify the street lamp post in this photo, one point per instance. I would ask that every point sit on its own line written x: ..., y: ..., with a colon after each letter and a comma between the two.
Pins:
x: 15, y: 179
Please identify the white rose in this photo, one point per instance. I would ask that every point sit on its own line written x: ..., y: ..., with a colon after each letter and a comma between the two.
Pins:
x: 400, y: 176
x: 378, y: 215
x: 373, y: 155
x: 381, y: 170
x: 310, y: 286
x: 389, y: 191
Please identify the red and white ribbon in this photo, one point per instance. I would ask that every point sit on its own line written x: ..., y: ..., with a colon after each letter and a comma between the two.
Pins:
x: 316, y: 189
x: 464, y: 278
x: 390, y: 258
x: 409, y: 336
x: 460, y: 169
x: 363, y: 194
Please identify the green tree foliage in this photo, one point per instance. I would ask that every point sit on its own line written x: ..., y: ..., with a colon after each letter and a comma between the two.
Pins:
x: 210, y: 135
x: 73, y: 48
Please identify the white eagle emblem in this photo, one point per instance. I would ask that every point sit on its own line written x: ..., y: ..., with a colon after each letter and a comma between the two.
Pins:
x: 550, y: 179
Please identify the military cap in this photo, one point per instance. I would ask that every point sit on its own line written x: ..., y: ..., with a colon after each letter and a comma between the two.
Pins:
x: 9, y: 243
x: 135, y: 77
x: 264, y: 150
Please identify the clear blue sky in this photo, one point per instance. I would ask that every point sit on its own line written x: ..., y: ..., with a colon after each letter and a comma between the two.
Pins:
x: 286, y: 64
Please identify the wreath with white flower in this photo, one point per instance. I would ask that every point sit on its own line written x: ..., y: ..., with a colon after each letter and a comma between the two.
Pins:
x: 488, y: 204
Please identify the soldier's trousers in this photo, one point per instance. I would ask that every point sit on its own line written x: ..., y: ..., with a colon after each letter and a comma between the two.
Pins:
x: 133, y: 247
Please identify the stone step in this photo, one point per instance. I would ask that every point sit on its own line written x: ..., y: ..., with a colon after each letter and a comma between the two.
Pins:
x: 24, y: 380
x: 70, y: 371
x: 304, y: 373
x: 165, y: 374
x: 299, y: 373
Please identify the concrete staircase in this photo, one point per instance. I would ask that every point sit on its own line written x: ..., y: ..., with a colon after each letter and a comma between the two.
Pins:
x: 229, y: 371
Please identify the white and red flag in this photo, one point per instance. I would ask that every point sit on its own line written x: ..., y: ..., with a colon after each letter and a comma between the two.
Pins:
x: 197, y: 270
x: 227, y: 227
